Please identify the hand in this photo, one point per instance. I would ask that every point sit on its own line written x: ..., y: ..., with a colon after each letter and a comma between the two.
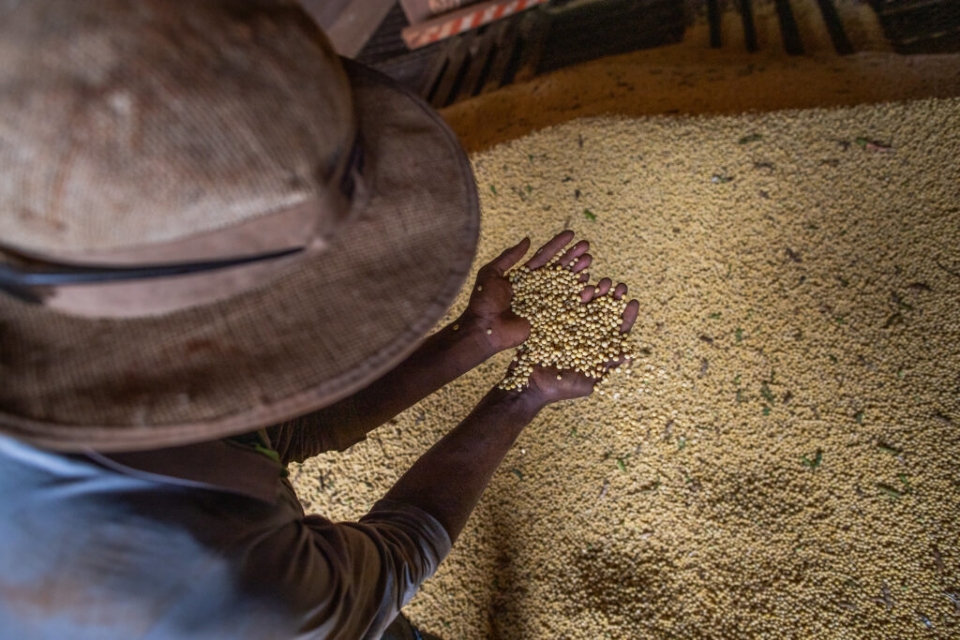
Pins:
x: 489, y: 305
x: 549, y: 384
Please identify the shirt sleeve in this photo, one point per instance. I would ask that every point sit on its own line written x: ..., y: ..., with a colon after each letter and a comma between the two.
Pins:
x: 327, y: 429
x: 350, y: 580
x: 118, y: 553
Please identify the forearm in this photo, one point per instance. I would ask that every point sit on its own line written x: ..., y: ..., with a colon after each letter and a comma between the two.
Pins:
x: 449, y: 479
x: 440, y: 359
x: 443, y: 357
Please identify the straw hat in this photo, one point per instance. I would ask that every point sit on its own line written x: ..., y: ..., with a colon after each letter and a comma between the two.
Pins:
x: 210, y: 223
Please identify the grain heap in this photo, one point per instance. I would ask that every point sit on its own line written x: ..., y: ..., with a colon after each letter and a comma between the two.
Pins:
x: 565, y: 332
x: 782, y: 462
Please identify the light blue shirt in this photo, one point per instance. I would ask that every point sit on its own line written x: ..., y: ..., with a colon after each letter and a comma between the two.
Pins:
x: 91, y: 548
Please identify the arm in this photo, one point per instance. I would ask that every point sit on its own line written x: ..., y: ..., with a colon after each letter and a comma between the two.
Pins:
x: 381, y: 561
x: 448, y: 480
x: 486, y: 327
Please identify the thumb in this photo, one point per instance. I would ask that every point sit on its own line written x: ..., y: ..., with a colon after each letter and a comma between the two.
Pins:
x: 511, y: 256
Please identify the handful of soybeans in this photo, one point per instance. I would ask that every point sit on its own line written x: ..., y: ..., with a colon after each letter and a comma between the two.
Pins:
x: 565, y: 332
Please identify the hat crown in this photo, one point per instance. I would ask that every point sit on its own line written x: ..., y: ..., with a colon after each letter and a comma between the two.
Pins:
x: 125, y: 124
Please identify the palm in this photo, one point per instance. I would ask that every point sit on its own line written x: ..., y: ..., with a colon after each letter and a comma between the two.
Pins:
x: 490, y: 304
x: 492, y: 293
x: 554, y: 385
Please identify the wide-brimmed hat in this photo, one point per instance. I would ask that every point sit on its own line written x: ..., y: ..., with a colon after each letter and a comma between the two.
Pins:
x: 210, y: 223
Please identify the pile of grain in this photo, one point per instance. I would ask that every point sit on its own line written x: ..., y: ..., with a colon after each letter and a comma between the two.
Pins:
x: 784, y: 458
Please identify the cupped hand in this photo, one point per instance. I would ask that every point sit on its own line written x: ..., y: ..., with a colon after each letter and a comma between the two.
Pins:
x: 489, y: 305
x: 548, y: 384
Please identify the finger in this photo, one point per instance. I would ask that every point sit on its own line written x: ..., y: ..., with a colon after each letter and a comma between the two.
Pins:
x: 582, y: 263
x: 603, y: 286
x: 619, y: 291
x: 510, y: 257
x: 547, y: 251
x: 570, y: 256
x: 587, y: 294
x: 584, y: 277
x: 630, y: 316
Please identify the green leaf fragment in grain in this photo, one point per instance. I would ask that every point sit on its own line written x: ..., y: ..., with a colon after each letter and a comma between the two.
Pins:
x: 753, y: 137
x: 589, y: 215
x: 817, y: 459
x: 888, y: 449
x: 767, y: 394
x: 902, y: 477
x: 889, y: 491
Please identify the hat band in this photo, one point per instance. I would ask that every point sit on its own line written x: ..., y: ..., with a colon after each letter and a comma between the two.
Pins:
x: 32, y: 285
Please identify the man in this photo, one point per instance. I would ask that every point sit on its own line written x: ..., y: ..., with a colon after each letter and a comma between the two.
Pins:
x: 212, y: 225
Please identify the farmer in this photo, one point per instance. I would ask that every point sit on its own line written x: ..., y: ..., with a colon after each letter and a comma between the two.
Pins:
x: 211, y: 224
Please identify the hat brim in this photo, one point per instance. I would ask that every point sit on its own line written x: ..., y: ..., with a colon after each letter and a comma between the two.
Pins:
x: 316, y: 334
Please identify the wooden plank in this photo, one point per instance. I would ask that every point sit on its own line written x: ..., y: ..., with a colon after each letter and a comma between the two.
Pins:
x: 481, y: 54
x: 448, y: 25
x: 446, y: 90
x: 580, y: 33
x: 533, y: 31
x: 505, y: 45
x: 789, y: 29
x: 434, y: 72
x: 749, y: 28
x: 713, y: 17
x: 835, y: 28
